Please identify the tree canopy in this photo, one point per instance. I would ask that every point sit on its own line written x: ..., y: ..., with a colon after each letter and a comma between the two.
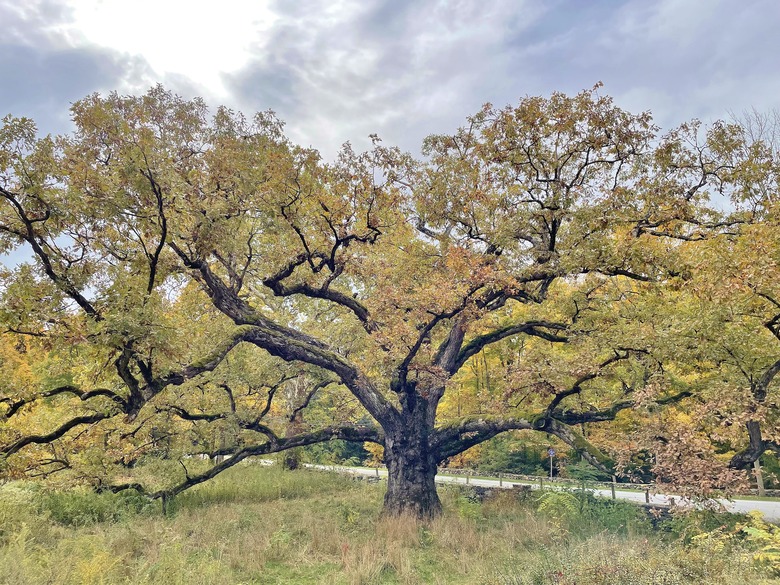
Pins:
x: 197, y: 283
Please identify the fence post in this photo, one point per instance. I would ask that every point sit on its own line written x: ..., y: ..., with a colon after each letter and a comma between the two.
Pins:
x: 647, y: 495
x: 614, y: 480
x: 377, y: 472
x: 759, y: 478
x: 500, y: 481
x: 541, y: 483
x: 468, y: 473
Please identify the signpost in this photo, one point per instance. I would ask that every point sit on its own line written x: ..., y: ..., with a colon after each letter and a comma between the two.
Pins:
x: 551, y: 453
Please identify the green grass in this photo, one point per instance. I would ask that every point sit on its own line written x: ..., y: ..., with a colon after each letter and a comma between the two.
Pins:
x: 263, y: 525
x: 753, y: 498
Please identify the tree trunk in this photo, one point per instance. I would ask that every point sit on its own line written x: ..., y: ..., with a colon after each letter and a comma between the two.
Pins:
x: 754, y: 450
x: 411, y: 469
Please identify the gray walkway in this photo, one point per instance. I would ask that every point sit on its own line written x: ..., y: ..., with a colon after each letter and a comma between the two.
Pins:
x: 769, y: 508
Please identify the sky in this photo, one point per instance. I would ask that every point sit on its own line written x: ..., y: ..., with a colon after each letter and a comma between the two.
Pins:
x: 340, y: 70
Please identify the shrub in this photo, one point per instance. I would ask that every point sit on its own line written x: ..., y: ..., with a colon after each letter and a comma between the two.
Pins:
x: 687, y: 524
x: 621, y: 517
x: 81, y: 507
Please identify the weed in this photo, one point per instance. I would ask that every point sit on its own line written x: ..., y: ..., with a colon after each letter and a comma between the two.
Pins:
x: 81, y: 507
x: 259, y: 525
x: 558, y: 505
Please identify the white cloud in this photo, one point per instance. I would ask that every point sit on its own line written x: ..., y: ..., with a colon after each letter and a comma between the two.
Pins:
x: 197, y: 39
x: 340, y: 70
x: 343, y: 72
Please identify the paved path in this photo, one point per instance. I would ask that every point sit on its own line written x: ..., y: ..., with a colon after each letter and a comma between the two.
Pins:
x: 769, y: 508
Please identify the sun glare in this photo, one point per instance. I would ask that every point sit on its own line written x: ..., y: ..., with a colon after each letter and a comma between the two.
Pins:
x: 198, y: 39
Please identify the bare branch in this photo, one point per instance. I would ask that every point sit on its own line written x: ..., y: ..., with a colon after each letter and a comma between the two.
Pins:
x: 287, y: 343
x: 607, y: 414
x: 37, y: 244
x: 541, y: 329
x: 576, y: 388
x: 67, y: 389
x: 456, y: 437
x: 346, y: 433
x: 55, y: 434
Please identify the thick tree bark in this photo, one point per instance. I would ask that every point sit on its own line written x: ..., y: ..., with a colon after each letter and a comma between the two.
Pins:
x: 753, y: 451
x: 411, y: 468
x: 410, y: 456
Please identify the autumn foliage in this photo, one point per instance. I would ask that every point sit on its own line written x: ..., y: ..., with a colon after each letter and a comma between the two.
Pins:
x: 192, y: 282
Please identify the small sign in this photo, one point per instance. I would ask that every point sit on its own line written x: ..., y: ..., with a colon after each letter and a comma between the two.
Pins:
x: 551, y: 452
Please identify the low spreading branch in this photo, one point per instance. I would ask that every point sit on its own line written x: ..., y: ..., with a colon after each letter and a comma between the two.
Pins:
x: 345, y: 432
x: 59, y: 432
x: 84, y: 395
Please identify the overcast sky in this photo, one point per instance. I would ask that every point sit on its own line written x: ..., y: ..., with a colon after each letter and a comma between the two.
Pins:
x: 340, y: 70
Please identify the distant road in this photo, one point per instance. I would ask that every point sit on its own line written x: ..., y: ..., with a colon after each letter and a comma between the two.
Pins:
x: 769, y: 508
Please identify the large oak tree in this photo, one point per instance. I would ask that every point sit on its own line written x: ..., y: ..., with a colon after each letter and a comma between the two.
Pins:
x: 180, y: 260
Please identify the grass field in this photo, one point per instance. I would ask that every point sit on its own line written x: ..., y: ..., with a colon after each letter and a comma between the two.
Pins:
x: 265, y: 525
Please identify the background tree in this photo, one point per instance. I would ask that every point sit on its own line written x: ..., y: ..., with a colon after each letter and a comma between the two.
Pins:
x: 727, y: 313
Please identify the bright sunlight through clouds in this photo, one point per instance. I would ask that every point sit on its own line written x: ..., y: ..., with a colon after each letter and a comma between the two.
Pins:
x: 208, y: 38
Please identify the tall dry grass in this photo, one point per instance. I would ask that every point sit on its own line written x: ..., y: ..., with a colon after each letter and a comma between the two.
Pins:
x: 260, y: 525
